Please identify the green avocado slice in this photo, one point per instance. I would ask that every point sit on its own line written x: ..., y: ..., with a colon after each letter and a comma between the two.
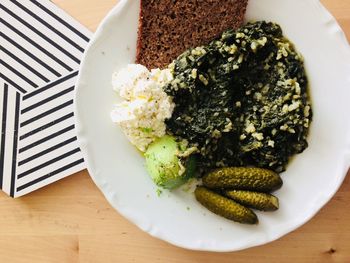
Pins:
x: 164, y: 164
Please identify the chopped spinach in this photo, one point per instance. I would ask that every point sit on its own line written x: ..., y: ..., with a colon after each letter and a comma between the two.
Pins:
x: 242, y: 99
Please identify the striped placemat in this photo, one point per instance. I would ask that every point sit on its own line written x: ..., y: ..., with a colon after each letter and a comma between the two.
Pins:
x: 40, y: 51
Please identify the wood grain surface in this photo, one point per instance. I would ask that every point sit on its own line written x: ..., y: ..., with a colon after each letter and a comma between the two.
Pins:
x: 70, y: 221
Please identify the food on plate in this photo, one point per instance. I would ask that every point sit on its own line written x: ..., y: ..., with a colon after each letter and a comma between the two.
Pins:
x: 226, y: 190
x: 259, y: 201
x: 225, y: 207
x: 169, y: 163
x: 145, y: 107
x: 231, y: 112
x: 168, y: 27
x: 243, y: 178
x: 242, y: 100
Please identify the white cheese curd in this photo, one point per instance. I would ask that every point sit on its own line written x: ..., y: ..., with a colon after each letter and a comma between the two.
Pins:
x: 146, y: 106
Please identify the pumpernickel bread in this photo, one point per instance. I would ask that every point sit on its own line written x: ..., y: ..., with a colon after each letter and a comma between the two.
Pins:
x: 169, y: 27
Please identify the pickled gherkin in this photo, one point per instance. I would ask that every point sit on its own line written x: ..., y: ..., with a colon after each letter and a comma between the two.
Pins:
x: 225, y: 207
x: 259, y: 201
x: 243, y: 178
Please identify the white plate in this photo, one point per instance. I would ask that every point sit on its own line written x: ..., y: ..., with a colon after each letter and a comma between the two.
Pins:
x: 311, y: 180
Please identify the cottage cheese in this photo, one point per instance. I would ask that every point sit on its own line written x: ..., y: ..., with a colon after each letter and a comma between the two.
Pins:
x: 146, y: 106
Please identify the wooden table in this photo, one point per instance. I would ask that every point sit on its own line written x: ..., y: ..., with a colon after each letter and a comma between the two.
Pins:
x: 70, y: 221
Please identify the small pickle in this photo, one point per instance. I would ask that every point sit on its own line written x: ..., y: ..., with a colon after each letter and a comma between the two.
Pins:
x: 243, y: 178
x: 259, y: 201
x: 225, y: 207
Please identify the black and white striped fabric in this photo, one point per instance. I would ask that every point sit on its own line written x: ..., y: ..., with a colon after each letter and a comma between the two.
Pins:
x: 40, y: 51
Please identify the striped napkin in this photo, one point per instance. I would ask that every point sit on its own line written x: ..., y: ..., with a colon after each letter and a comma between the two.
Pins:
x: 40, y: 52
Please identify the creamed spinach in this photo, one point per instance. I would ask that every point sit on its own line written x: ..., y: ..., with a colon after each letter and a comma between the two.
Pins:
x: 242, y: 99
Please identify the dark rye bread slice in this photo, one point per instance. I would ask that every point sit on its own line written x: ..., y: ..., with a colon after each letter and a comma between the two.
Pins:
x: 169, y: 27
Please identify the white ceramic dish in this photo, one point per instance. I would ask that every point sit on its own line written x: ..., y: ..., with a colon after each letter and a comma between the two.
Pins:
x: 311, y: 180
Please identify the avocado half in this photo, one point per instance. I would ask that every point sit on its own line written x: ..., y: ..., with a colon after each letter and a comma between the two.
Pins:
x: 164, y: 165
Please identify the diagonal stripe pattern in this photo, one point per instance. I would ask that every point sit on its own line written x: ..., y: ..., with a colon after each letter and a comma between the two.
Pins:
x: 40, y: 52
